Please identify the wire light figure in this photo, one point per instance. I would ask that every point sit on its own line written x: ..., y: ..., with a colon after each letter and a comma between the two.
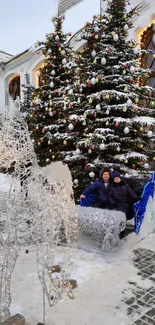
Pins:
x: 38, y: 211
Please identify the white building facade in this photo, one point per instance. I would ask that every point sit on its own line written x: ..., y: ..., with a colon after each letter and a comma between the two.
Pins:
x: 13, y: 69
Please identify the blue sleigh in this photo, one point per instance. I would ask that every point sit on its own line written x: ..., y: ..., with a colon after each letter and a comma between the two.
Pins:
x: 139, y: 207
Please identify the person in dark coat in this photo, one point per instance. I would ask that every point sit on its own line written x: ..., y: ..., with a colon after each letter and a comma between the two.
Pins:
x: 121, y: 196
x: 100, y: 188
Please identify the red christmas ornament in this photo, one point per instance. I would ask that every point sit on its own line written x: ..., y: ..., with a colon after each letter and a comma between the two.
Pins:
x: 86, y: 162
x: 95, y: 115
x: 88, y: 70
x: 115, y: 3
x: 136, y: 110
x: 93, y: 147
x: 59, y: 156
x: 89, y: 83
x: 131, y: 80
x: 125, y: 66
x: 117, y: 124
x: 94, y: 45
x: 150, y: 95
x: 86, y: 167
x: 123, y: 4
x: 71, y: 105
x: 93, y: 35
x: 69, y: 34
x: 67, y: 131
x: 94, y: 132
x: 103, y: 27
x: 99, y: 78
x: 110, y: 49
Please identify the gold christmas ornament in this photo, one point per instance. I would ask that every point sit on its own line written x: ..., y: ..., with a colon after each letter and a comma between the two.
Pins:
x: 53, y: 157
x: 44, y: 117
x: 65, y: 99
x: 89, y: 151
x: 126, y: 161
x: 65, y: 142
x: 49, y: 96
x: 130, y: 44
x: 64, y: 121
x: 125, y: 89
x: 90, y: 100
x: 46, y: 109
x: 107, y: 123
x: 141, y: 128
x: 107, y: 96
x: 86, y: 140
x: 96, y: 37
x: 137, y: 100
x: 153, y: 158
x: 49, y: 142
x: 124, y: 109
x: 124, y: 72
x: 113, y: 33
x: 118, y: 149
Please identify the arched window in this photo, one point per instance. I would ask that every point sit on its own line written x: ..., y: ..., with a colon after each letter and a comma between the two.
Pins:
x: 14, y: 87
x: 148, y: 61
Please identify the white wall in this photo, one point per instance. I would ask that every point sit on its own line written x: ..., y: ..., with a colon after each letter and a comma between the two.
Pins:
x: 29, y: 62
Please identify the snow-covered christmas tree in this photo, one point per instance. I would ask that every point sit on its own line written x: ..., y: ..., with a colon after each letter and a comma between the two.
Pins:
x: 50, y: 119
x: 120, y: 128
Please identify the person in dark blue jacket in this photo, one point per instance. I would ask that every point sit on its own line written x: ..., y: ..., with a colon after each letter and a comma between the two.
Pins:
x: 100, y: 188
x: 121, y: 196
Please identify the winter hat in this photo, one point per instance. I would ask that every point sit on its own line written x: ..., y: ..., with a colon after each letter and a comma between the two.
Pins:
x: 105, y: 170
x: 115, y: 173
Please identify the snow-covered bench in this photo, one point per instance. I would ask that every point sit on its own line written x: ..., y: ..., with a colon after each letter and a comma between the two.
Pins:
x: 106, y: 225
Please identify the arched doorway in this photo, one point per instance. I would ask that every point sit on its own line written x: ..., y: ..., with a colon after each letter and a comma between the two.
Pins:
x: 147, y: 42
x: 148, y: 61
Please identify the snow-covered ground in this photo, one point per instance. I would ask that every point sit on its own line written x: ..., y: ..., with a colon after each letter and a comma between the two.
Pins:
x: 101, y: 279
